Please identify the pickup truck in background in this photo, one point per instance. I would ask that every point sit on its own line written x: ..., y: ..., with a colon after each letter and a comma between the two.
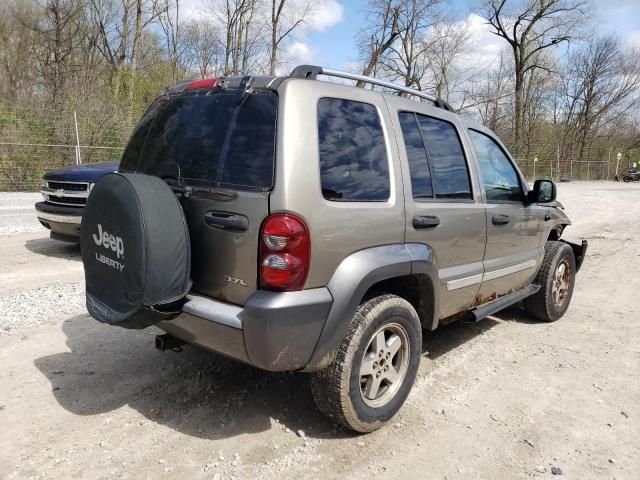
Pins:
x: 65, y: 192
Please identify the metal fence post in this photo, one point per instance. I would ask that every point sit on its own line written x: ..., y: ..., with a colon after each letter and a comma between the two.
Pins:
x: 78, y: 159
x: 571, y: 169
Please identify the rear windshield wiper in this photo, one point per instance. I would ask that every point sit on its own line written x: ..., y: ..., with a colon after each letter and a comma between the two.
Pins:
x: 187, y: 190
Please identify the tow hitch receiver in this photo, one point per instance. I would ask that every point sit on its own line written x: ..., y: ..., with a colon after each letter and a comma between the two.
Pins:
x: 169, y: 342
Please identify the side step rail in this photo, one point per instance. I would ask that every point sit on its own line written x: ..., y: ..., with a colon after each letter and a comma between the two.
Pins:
x: 504, y: 302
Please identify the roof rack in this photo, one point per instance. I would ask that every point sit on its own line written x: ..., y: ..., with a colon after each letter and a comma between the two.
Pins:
x: 312, y: 72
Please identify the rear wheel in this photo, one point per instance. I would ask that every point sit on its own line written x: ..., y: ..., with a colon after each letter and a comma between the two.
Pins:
x: 556, y: 278
x: 375, y: 368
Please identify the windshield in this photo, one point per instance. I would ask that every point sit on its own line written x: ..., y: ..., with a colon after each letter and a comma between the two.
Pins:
x: 217, y: 138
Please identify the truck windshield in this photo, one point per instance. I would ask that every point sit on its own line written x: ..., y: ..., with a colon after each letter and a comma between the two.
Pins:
x: 217, y: 138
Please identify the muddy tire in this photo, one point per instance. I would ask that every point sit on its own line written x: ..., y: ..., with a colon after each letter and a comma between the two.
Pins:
x: 556, y: 278
x: 375, y: 367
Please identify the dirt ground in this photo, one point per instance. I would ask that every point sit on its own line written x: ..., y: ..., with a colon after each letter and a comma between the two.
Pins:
x: 506, y: 398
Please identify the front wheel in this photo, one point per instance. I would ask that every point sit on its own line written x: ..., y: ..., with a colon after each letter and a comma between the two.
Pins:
x: 556, y: 278
x: 375, y: 367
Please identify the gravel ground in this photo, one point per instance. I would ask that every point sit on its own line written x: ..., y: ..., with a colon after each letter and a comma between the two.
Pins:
x: 505, y: 398
x: 17, y: 214
x: 34, y: 306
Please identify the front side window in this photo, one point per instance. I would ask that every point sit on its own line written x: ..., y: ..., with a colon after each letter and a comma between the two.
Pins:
x: 353, y: 155
x: 448, y: 163
x: 500, y: 178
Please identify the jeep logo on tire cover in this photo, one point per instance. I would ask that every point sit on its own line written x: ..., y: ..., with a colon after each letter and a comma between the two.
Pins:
x: 109, y: 241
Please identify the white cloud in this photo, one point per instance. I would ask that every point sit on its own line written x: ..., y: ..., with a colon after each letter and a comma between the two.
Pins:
x: 325, y: 15
x: 190, y: 9
x: 299, y: 52
x: 485, y: 47
x: 632, y: 40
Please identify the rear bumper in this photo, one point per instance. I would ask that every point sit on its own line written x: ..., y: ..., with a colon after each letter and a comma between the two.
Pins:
x: 64, y: 222
x: 273, y: 331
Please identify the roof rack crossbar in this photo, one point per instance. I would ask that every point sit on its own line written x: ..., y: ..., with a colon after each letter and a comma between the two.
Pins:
x: 312, y: 71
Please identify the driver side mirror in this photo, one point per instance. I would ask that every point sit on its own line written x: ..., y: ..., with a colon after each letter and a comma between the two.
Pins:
x: 544, y: 191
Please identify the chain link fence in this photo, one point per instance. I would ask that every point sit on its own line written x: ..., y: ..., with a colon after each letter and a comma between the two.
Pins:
x: 614, y: 164
x: 34, y: 141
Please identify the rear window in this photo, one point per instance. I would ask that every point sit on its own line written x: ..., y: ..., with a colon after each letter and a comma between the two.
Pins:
x: 216, y: 138
x: 353, y: 156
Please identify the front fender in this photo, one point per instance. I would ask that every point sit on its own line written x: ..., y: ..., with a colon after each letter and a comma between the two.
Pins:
x: 355, y: 275
x: 554, y: 218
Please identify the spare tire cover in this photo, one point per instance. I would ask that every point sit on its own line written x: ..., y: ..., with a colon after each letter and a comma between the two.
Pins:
x: 135, y: 249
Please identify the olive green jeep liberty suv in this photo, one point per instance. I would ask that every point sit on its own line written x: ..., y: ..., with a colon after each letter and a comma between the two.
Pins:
x: 324, y: 227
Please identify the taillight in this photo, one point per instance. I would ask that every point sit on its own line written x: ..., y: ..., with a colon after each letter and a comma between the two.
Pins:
x: 285, y: 251
x: 204, y: 83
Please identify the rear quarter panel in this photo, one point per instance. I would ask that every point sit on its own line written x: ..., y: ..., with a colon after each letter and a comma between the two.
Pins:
x: 337, y: 229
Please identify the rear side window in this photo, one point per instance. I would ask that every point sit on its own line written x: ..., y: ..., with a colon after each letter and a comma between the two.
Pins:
x: 353, y: 156
x: 448, y: 163
x: 217, y: 138
x: 421, y: 186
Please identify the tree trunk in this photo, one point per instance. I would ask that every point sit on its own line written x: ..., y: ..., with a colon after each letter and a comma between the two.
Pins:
x: 274, y: 39
x: 518, y: 107
x: 134, y: 53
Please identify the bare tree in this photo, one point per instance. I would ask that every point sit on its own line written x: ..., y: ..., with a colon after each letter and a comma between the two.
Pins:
x: 18, y: 51
x: 530, y: 26
x: 59, y: 34
x: 490, y: 96
x: 204, y: 50
x: 169, y: 21
x: 408, y: 59
x: 381, y: 31
x: 237, y: 18
x: 537, y: 95
x: 146, y: 12
x: 449, y: 45
x: 111, y: 21
x: 286, y: 17
x: 601, y: 84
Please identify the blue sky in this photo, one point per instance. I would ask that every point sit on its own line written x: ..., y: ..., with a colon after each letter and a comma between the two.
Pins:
x: 336, y: 46
x: 329, y: 36
x: 334, y: 43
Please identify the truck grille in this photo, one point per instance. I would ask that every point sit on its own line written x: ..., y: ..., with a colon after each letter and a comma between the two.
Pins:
x: 76, y: 187
x: 67, y: 200
x: 73, y: 194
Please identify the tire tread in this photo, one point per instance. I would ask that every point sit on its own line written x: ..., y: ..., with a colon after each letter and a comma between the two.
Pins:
x: 330, y: 386
x: 537, y: 304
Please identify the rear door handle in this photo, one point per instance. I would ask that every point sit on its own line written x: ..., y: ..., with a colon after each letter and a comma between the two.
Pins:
x: 500, y: 219
x: 227, y: 221
x: 425, y: 221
